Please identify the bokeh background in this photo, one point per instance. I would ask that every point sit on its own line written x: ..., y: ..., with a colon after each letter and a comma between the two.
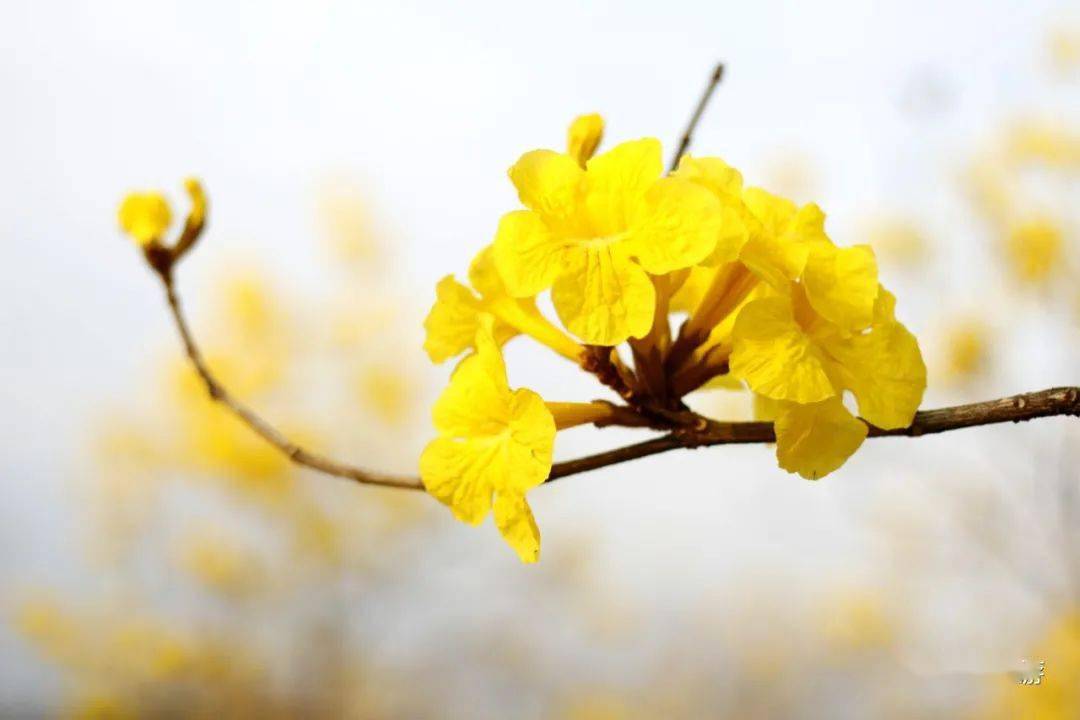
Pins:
x: 155, y: 559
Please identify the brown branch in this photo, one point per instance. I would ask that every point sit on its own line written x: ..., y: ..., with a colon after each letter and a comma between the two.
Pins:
x: 688, y: 134
x: 1062, y: 401
x: 265, y: 430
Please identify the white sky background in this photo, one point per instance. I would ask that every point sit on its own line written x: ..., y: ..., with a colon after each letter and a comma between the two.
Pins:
x: 427, y: 105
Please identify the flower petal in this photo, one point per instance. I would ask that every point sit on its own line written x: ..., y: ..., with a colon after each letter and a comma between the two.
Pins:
x: 528, y: 255
x: 781, y: 237
x: 675, y: 225
x: 515, y: 521
x: 606, y: 297
x: 451, y: 325
x: 775, y: 357
x: 476, y: 403
x: 548, y: 182
x: 885, y: 370
x: 616, y: 180
x: 532, y: 430
x: 842, y: 284
x: 458, y: 474
x: 815, y: 439
x: 711, y: 173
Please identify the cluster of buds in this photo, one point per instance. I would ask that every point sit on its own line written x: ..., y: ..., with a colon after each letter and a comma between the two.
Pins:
x: 146, y: 217
x: 767, y: 304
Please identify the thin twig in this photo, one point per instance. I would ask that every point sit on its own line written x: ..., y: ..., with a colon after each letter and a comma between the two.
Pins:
x: 265, y: 430
x: 688, y: 134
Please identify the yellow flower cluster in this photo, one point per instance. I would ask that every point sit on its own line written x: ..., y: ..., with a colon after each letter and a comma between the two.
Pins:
x: 770, y: 303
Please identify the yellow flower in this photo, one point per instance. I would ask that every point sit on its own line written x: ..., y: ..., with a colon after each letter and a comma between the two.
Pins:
x: 782, y: 236
x: 584, y: 137
x: 594, y: 235
x: 145, y: 216
x: 966, y: 352
x: 493, y: 443
x: 726, y: 184
x: 786, y: 351
x: 454, y: 319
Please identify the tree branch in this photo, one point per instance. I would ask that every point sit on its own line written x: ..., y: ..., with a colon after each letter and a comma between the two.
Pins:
x: 265, y: 430
x: 1061, y: 401
x: 688, y: 134
x: 691, y: 430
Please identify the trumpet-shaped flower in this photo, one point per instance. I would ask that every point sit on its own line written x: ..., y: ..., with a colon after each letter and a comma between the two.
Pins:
x: 788, y: 352
x: 594, y: 235
x: 494, y: 445
x: 454, y: 319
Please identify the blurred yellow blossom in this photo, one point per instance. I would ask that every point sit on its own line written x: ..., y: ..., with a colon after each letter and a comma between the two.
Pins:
x: 220, y: 563
x: 1041, y: 141
x: 898, y: 240
x: 1035, y: 249
x: 966, y: 350
x: 387, y: 392
x: 855, y: 620
x: 1064, y: 46
x: 346, y: 222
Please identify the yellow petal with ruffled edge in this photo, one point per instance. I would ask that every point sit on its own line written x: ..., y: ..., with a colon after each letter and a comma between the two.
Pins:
x: 145, y: 216
x: 781, y: 237
x: 775, y: 213
x: 842, y: 284
x: 775, y: 357
x: 674, y: 226
x: 458, y: 474
x: 606, y: 297
x: 584, y: 136
x: 518, y: 314
x: 725, y: 183
x: 815, y: 439
x: 884, y: 368
x: 451, y: 325
x: 548, y: 182
x: 477, y: 400
x: 713, y: 174
x: 616, y: 181
x: 528, y: 255
x: 515, y: 521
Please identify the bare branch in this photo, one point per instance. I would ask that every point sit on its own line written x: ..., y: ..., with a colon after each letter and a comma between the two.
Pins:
x: 688, y: 134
